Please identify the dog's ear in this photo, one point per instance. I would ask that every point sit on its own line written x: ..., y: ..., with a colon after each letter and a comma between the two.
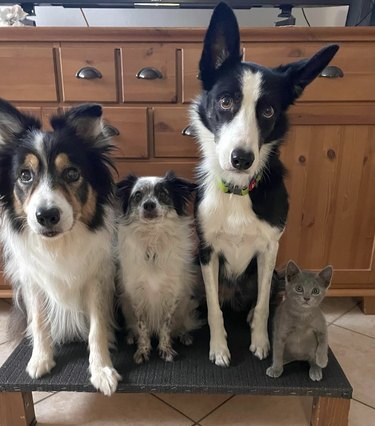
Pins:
x: 85, y: 120
x: 14, y: 122
x: 292, y: 270
x: 124, y: 189
x: 221, y: 44
x: 180, y: 190
x: 325, y: 275
x: 302, y: 73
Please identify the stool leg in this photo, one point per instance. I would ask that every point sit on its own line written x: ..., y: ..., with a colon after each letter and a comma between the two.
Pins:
x: 17, y: 409
x: 330, y: 411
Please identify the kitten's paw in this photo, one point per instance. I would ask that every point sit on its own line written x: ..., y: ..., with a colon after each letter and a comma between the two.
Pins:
x: 274, y: 372
x: 315, y: 373
x: 167, y: 354
x: 260, y: 345
x: 141, y: 355
x: 186, y: 339
x: 39, y: 366
x: 321, y: 359
x: 219, y: 353
x: 105, y: 379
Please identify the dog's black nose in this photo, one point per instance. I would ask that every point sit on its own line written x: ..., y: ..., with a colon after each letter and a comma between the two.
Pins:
x: 48, y: 217
x: 149, y: 206
x: 241, y: 160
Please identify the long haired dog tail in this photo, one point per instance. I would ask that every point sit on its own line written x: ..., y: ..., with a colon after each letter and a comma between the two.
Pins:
x: 17, y: 321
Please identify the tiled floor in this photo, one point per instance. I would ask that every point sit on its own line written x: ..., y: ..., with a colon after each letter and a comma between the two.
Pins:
x: 352, y: 338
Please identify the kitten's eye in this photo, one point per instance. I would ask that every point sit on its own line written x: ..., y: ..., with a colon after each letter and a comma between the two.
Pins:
x: 299, y: 289
x: 315, y: 291
x: 137, y: 196
x: 71, y: 174
x: 26, y: 176
x: 268, y: 112
x: 226, y: 102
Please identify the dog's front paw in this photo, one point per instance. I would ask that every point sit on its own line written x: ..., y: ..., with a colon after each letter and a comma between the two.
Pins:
x: 141, y: 355
x: 105, y: 379
x: 167, y: 354
x: 321, y: 359
x: 219, y: 353
x: 186, y: 339
x: 315, y: 373
x: 39, y: 366
x: 260, y: 345
x: 274, y: 371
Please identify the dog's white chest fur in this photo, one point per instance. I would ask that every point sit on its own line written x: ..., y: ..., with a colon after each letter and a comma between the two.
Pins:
x: 232, y: 228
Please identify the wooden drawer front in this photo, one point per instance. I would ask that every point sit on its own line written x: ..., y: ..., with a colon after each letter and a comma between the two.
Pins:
x: 356, y: 60
x: 131, y: 124
x: 191, y: 85
x: 169, y: 141
x: 27, y: 74
x: 156, y: 168
x: 101, y: 59
x: 162, y: 59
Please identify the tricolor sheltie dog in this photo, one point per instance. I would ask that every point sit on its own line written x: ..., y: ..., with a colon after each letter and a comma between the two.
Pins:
x: 242, y: 203
x: 57, y: 233
x: 155, y: 251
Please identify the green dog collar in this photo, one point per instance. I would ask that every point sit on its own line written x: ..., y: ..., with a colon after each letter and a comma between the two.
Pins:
x: 229, y: 188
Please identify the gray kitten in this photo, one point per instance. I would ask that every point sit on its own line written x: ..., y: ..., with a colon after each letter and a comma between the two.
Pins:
x: 300, y: 329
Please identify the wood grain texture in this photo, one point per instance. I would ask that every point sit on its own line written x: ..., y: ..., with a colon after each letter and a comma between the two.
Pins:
x: 330, y: 412
x: 17, y: 409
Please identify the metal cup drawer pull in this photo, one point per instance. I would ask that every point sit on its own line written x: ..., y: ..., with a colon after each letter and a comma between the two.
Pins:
x: 149, y: 73
x: 332, y: 72
x: 111, y: 131
x: 188, y: 131
x: 88, y: 73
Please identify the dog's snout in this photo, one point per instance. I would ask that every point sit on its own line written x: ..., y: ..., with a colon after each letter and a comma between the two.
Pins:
x: 149, y: 206
x: 242, y: 160
x: 48, y: 217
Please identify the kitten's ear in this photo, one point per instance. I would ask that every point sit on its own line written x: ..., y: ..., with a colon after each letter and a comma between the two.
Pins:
x: 292, y: 270
x: 326, y: 275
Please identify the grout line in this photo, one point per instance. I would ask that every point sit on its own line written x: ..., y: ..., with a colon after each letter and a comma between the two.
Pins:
x: 363, y: 403
x: 220, y: 405
x: 174, y: 408
x: 344, y: 313
x: 46, y: 397
x: 354, y: 331
x: 84, y: 17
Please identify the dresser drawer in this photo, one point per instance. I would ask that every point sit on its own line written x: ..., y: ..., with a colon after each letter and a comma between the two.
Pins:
x: 191, y: 85
x: 88, y: 73
x: 27, y: 73
x: 356, y: 60
x: 131, y: 125
x: 172, y: 137
x: 149, y: 73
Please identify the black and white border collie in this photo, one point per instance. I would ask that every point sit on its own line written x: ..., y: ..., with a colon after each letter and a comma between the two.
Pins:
x: 242, y: 204
x: 57, y: 233
x: 155, y: 251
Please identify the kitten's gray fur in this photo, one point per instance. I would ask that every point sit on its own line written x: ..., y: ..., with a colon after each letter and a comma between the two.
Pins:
x: 300, y: 329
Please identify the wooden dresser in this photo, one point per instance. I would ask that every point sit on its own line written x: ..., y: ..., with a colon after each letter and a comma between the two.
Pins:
x: 145, y: 79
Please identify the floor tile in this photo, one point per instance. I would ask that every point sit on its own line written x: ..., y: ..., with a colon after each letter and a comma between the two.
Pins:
x: 4, y: 314
x: 40, y: 396
x: 356, y: 320
x: 66, y: 408
x: 334, y: 307
x: 355, y: 353
x: 261, y: 411
x: 361, y: 415
x: 194, y: 406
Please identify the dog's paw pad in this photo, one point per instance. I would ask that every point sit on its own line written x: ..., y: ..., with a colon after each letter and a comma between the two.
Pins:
x: 141, y: 356
x: 274, y: 372
x: 167, y: 354
x: 105, y: 379
x: 315, y: 373
x: 38, y: 367
x: 186, y: 339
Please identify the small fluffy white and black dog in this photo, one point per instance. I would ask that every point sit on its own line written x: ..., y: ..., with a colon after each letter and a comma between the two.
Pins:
x: 57, y: 234
x: 242, y: 204
x: 155, y: 251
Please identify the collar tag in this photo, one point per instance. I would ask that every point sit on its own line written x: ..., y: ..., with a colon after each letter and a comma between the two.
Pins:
x: 229, y: 188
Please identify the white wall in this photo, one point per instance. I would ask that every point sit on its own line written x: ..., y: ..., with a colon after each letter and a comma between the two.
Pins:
x: 265, y: 17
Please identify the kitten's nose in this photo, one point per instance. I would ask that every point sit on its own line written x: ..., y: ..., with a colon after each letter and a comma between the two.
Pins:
x: 307, y: 299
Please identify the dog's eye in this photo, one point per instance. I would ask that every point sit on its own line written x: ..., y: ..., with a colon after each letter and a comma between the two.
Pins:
x: 299, y: 289
x: 315, y: 291
x: 137, y: 196
x: 26, y: 176
x: 268, y: 112
x: 226, y: 103
x: 164, y: 197
x: 71, y: 174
